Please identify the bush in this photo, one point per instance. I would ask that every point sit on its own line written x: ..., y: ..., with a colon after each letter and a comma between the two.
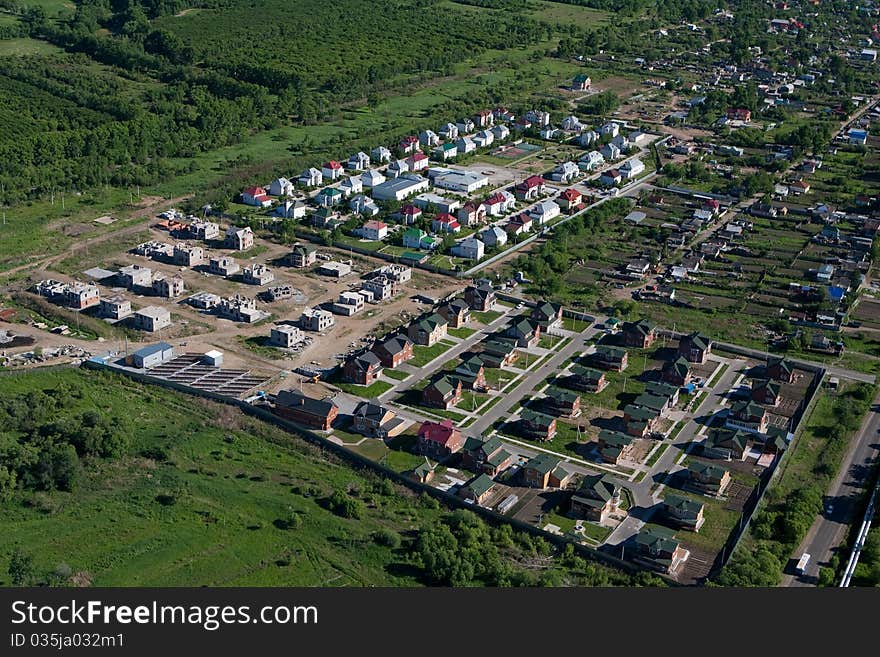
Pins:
x: 344, y: 506
x: 387, y: 538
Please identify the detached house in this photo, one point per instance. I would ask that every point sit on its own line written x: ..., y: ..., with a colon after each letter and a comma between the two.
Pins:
x: 708, y: 478
x: 428, y: 330
x: 456, y: 312
x: 526, y: 332
x: 359, y: 161
x: 394, y: 351
x: 728, y: 444
x: 315, y: 413
x: 657, y: 549
x: 530, y: 188
x: 493, y: 236
x: 695, y: 347
x: 765, y: 392
x: 610, y: 358
x: 376, y: 421
x: 597, y: 498
x: 480, y: 297
x: 417, y: 162
x: 472, y: 374
x: 586, y: 379
x: 332, y: 170
x: 439, y: 440
x: 677, y: 372
x: 363, y: 369
x: 444, y: 392
x: 302, y: 256
x: 548, y: 315
x: 478, y: 490
x: 779, y: 369
x: 614, y: 446
x: 256, y: 196
x: 311, y: 177
x: 471, y: 214
x: 537, y: 426
x: 545, y: 471
x: 561, y: 402
x: 570, y: 199
x: 639, y: 334
x: 683, y: 512
x: 486, y: 456
x: 239, y: 239
x: 748, y: 416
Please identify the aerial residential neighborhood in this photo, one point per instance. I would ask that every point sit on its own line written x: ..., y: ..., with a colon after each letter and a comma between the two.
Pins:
x: 602, y: 279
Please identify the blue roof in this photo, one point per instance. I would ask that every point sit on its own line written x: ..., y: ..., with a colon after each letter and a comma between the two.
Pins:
x: 836, y: 292
x: 858, y: 133
x: 151, y: 349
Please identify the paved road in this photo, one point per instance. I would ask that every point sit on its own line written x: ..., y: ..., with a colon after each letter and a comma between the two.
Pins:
x: 844, y: 494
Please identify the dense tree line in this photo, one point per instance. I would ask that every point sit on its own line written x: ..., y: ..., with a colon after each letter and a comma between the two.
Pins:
x: 42, y: 440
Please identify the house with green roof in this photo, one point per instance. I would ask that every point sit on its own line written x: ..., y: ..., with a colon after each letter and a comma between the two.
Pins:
x: 545, y: 471
x: 547, y: 315
x: 527, y: 333
x: 428, y: 330
x: 748, y: 416
x: 614, y: 446
x: 610, y: 358
x: 657, y: 549
x: 472, y: 373
x: 415, y: 238
x: 779, y: 369
x: 639, y: 420
x: 561, y: 402
x: 478, y: 490
x: 708, y: 478
x: 639, y: 334
x: 444, y: 392
x: 537, y: 426
x: 597, y: 498
x: 585, y: 379
x: 729, y: 444
x: 652, y: 402
x: 695, y: 348
x: 499, y: 351
x: 684, y: 512
x: 677, y: 372
x: 661, y: 389
x: 766, y: 392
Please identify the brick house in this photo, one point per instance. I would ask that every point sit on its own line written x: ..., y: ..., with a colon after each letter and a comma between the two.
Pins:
x: 363, y: 369
x: 765, y: 392
x: 544, y: 471
x: 526, y: 332
x: 748, y: 416
x: 586, y: 379
x: 677, y: 372
x: 394, y: 351
x: 485, y: 456
x: 478, y: 490
x: 708, y: 478
x: 499, y: 351
x: 439, y: 440
x: 548, y: 315
x: 376, y: 421
x: 695, y: 348
x: 728, y: 444
x: 614, y: 446
x: 779, y: 369
x: 597, y: 498
x: 444, y: 393
x: 537, y: 426
x: 471, y: 373
x: 610, y: 358
x: 297, y: 407
x: 480, y: 297
x: 457, y: 312
x: 639, y: 421
x: 428, y: 330
x: 639, y: 334
x: 657, y: 549
x: 683, y: 512
x: 561, y: 402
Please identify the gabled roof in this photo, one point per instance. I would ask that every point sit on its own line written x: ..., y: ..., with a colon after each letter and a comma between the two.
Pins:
x: 707, y: 470
x: 588, y: 373
x: 543, y: 463
x: 295, y: 399
x: 396, y: 344
x: 371, y: 410
x: 438, y: 432
x: 488, y: 446
x: 537, y: 419
x: 643, y: 327
x: 598, y: 487
x: 698, y: 340
x: 445, y: 385
x: 684, y: 507
x: 432, y: 321
x: 481, y: 485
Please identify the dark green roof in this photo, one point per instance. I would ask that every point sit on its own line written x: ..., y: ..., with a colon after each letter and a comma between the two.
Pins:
x: 615, y: 438
x: 560, y: 394
x: 588, y: 373
x: 699, y: 340
x: 543, y: 463
x: 597, y: 487
x: 444, y: 385
x: 481, y: 485
x: 538, y: 419
x: 647, y: 400
x: 640, y: 412
x: 659, y: 538
x: 661, y: 389
x: 608, y: 351
x: 643, y: 326
x: 684, y: 506
x: 726, y: 438
x: 749, y: 408
x: 498, y: 457
x: 707, y: 470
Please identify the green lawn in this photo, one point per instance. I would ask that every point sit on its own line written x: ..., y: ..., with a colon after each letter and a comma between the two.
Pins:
x: 423, y: 355
x: 400, y: 375
x: 366, y: 392
x: 462, y: 332
x: 486, y: 317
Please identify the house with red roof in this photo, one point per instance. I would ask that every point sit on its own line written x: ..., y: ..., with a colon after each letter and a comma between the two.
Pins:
x: 739, y: 114
x: 711, y: 205
x: 499, y: 203
x: 530, y: 188
x: 611, y: 177
x: 332, y: 170
x: 438, y: 440
x: 471, y: 214
x: 374, y: 230
x: 256, y: 196
x: 570, y: 199
x: 409, y: 214
x: 445, y: 223
x: 409, y: 144
x: 417, y: 161
x: 521, y: 223
x: 484, y: 119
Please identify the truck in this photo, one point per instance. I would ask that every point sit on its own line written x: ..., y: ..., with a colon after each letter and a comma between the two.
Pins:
x: 801, y: 567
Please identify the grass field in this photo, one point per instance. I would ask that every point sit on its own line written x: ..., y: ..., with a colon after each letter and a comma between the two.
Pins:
x: 231, y: 479
x: 423, y: 355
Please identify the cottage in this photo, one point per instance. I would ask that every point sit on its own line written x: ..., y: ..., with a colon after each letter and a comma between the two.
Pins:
x: 614, y: 447
x: 394, y: 351
x: 239, y: 239
x: 380, y: 155
x: 332, y: 170
x: 363, y: 369
x: 597, y: 498
x: 480, y: 297
x: 291, y: 210
x: 372, y: 419
x: 677, y: 372
x: 168, y: 287
x: 545, y: 471
x: 315, y: 319
x: 639, y: 334
x: 256, y: 196
x: 683, y: 512
x: 351, y: 186
x: 610, y: 178
x: 152, y: 319
x: 374, y: 230
x: 708, y: 478
x: 537, y: 426
x: 748, y: 416
x: 728, y: 444
x: 530, y: 188
x: 444, y: 392
x: 591, y: 161
x: 416, y: 238
x: 281, y: 187
x: 631, y: 169
x: 610, y: 358
x: 428, y: 330
x: 311, y: 177
x: 297, y: 407
x: 581, y: 82
x: 639, y: 420
x: 257, y: 274
x: 779, y: 369
x: 547, y: 314
x: 478, y: 490
x: 544, y: 212
x: 657, y: 549
x: 439, y: 440
x: 561, y: 402
x: 499, y: 352
x: 493, y: 236
x: 116, y: 307
x: 527, y: 333
x: 586, y: 379
x: 328, y: 197
x: 456, y: 312
x: 471, y: 373
x: 302, y: 256
x: 358, y: 162
x: 469, y: 248
x: 570, y: 199
x: 695, y: 348
x: 188, y: 256
x: 765, y: 392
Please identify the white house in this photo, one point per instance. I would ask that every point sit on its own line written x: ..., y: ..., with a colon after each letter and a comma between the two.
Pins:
x: 350, y: 186
x: 311, y: 177
x: 494, y: 236
x: 372, y: 178
x: 449, y: 131
x: 572, y: 124
x: 565, y: 172
x: 291, y: 210
x: 445, y: 151
x: 332, y: 170
x: 499, y: 203
x: 255, y: 196
x: 465, y: 145
x: 610, y: 151
x: 428, y: 138
x: 374, y: 230
x: 397, y: 168
x: 363, y: 205
x: 610, y: 129
x: 549, y: 133
x: 281, y: 187
x: 465, y: 126
x: 588, y: 138
x: 358, y: 162
x: 632, y: 168
x: 417, y: 162
x: 501, y: 132
x: 540, y: 119
x: 470, y: 248
x: 592, y: 160
x: 483, y: 138
x: 544, y: 212
x: 380, y: 155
